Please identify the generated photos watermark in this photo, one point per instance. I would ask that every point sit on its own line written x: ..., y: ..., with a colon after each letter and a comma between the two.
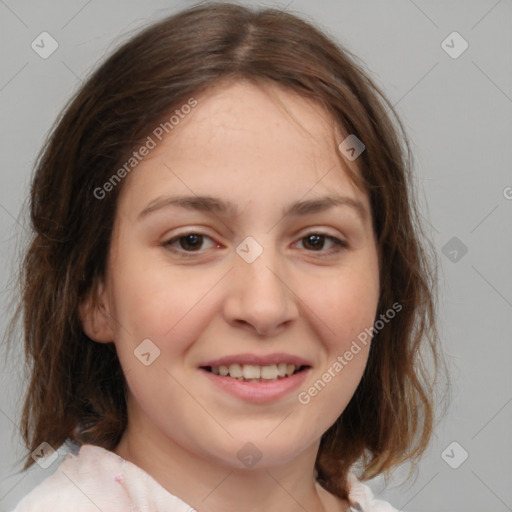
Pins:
x: 364, y: 337
x: 152, y: 140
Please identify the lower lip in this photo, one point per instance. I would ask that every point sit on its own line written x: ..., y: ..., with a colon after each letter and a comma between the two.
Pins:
x: 258, y: 392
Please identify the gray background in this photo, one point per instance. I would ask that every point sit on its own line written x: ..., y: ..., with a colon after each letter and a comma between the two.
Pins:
x: 457, y: 112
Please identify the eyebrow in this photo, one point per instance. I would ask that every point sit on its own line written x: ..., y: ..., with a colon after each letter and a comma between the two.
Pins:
x: 215, y: 205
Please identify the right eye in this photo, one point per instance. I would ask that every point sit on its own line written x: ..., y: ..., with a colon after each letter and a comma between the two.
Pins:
x: 189, y: 242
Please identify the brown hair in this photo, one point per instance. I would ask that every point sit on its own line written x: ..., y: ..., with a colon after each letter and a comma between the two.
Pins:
x: 77, y: 387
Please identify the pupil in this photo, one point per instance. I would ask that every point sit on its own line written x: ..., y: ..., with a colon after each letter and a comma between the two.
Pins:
x: 192, y: 242
x: 315, y: 241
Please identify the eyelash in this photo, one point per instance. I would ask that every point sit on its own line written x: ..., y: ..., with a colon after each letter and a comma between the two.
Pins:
x: 338, y: 245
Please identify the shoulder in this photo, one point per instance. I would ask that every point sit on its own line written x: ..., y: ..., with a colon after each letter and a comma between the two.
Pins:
x: 97, y: 479
x: 362, y: 498
x: 84, y: 483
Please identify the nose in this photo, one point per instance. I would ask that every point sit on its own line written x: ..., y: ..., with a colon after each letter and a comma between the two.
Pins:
x: 259, y: 298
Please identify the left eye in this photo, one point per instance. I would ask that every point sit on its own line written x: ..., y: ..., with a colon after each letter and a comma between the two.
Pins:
x: 317, y: 241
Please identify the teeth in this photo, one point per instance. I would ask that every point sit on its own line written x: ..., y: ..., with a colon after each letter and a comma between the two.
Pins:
x: 254, y: 371
x: 269, y: 372
x: 235, y: 370
x: 281, y: 369
x: 251, y: 371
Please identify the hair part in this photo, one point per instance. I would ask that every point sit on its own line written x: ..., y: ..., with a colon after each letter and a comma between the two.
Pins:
x: 77, y: 387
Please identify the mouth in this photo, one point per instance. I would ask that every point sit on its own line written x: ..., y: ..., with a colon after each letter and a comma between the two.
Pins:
x: 255, y: 372
x: 257, y: 378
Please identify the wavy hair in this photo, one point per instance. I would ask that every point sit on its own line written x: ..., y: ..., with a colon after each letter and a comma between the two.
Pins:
x: 77, y: 388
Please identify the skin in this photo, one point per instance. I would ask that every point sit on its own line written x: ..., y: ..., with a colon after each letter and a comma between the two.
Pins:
x: 245, y: 144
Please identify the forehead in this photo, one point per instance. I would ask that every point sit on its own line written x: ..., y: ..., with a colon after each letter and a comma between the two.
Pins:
x: 265, y: 117
x: 241, y: 135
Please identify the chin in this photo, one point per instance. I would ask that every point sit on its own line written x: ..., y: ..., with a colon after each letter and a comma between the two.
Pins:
x: 260, y: 452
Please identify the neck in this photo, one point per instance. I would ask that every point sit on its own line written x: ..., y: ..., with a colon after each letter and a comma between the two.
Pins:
x: 209, y: 485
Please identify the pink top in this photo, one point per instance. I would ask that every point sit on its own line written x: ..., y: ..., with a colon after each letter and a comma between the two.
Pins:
x: 99, y: 480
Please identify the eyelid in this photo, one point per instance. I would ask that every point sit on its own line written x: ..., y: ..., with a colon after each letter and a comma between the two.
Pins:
x: 320, y: 231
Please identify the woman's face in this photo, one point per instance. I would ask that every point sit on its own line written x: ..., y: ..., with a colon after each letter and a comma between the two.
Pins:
x: 241, y: 245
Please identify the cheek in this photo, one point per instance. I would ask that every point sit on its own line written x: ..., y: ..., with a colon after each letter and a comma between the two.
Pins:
x: 161, y: 304
x: 348, y: 312
x: 146, y: 294
x: 346, y: 304
x: 345, y: 307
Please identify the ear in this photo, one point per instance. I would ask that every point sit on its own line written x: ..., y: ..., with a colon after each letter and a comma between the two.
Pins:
x: 94, y: 313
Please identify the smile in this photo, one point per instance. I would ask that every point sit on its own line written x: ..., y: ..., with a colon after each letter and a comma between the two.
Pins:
x: 257, y: 378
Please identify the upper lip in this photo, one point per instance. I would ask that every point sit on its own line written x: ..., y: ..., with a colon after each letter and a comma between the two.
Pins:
x: 260, y: 360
